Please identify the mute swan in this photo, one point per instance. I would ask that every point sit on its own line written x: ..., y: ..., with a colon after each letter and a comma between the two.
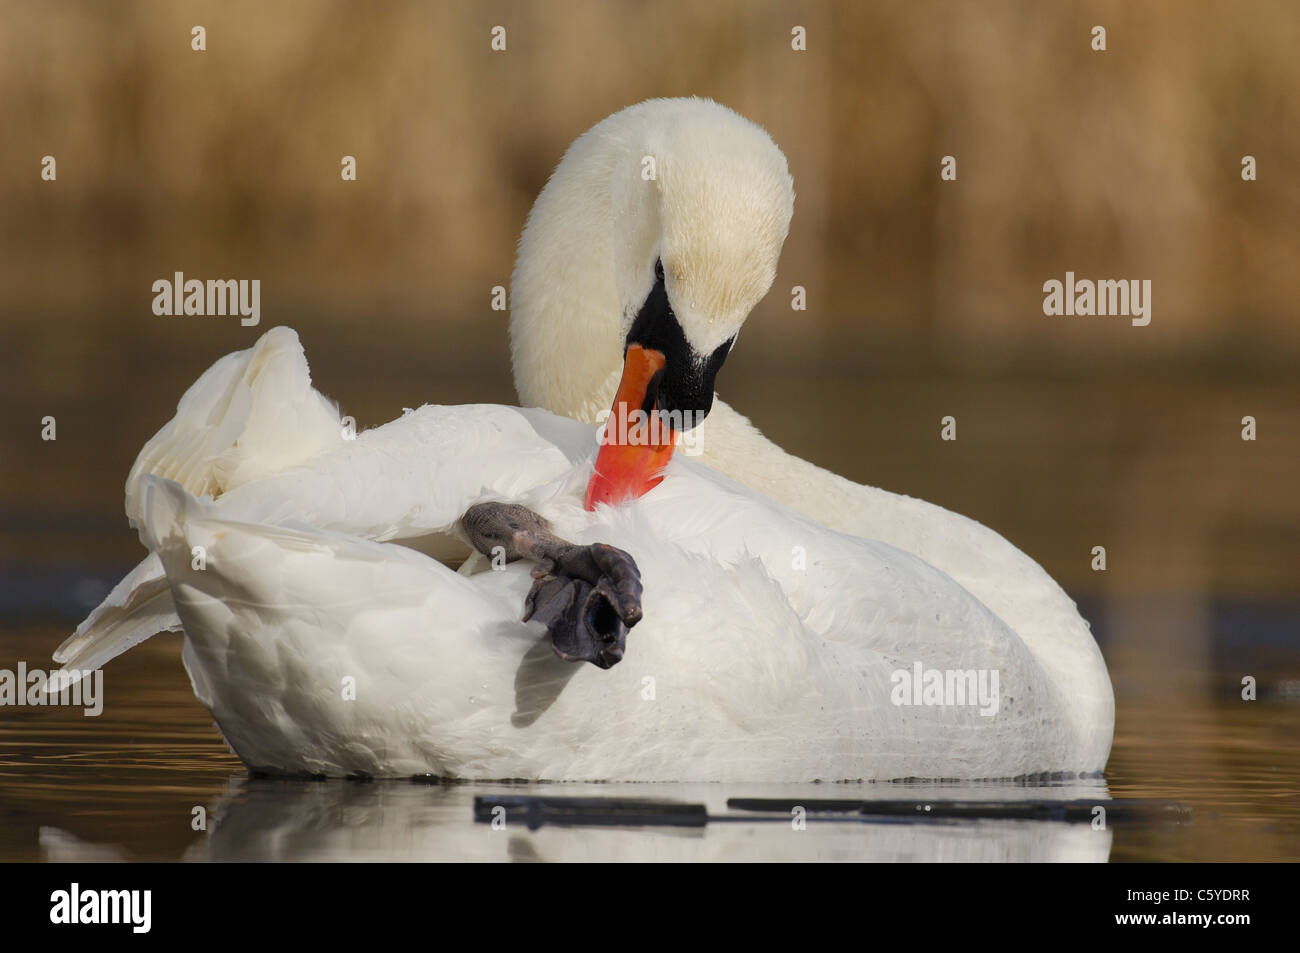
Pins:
x: 747, y: 665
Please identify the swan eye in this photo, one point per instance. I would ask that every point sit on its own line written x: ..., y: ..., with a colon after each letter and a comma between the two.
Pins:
x: 659, y: 269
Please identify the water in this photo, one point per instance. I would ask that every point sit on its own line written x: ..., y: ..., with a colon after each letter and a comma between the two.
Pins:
x: 126, y: 786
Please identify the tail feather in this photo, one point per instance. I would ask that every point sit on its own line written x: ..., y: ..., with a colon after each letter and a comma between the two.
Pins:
x: 250, y: 414
x: 139, y: 607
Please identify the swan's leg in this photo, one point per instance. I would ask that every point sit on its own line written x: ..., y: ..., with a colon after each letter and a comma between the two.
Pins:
x: 586, y: 596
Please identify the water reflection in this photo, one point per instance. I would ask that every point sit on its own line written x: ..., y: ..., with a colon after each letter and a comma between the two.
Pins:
x: 126, y: 785
x: 269, y: 820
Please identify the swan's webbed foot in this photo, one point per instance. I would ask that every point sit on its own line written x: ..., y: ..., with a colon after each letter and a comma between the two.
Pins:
x: 586, y: 596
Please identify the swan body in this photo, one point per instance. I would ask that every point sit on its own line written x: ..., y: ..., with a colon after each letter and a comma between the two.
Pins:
x: 321, y: 649
x: 781, y: 600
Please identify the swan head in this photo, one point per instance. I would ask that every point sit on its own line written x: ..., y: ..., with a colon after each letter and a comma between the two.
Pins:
x: 651, y: 244
x: 700, y: 217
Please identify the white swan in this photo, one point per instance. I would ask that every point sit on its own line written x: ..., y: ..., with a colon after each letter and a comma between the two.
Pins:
x: 746, y: 666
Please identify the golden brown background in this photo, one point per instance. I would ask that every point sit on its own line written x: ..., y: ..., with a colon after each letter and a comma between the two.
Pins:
x: 924, y: 296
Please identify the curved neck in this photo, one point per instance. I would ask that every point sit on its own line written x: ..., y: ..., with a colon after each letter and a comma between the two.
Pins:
x: 565, y: 313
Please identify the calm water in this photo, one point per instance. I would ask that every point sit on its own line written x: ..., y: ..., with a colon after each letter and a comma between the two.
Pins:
x: 125, y: 786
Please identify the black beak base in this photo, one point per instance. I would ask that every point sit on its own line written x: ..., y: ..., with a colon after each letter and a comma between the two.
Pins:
x: 685, y: 385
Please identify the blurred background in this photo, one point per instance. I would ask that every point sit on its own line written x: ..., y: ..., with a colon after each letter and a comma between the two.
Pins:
x: 924, y: 297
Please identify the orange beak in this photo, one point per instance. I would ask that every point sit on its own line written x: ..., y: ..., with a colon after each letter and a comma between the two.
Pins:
x: 636, y: 445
